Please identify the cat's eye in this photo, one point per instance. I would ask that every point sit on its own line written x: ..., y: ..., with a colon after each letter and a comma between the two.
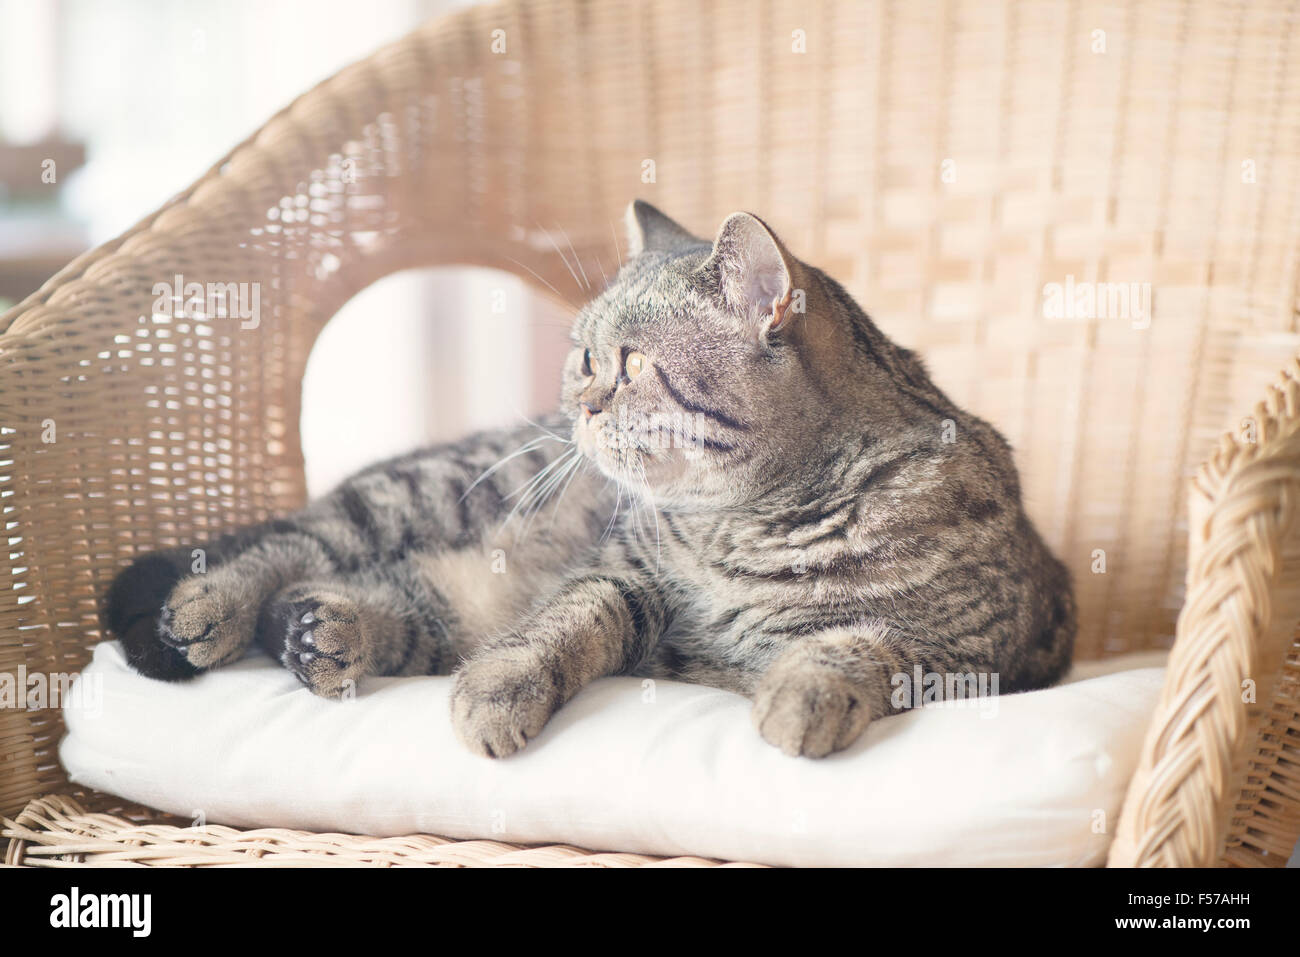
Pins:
x: 635, y: 364
x: 588, y: 363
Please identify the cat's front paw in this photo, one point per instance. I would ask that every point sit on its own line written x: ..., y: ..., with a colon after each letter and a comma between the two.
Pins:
x: 209, y: 619
x: 809, y: 711
x: 317, y: 634
x: 501, y: 699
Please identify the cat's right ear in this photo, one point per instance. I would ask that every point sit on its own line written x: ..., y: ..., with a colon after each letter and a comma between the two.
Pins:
x: 649, y: 230
x: 754, y: 271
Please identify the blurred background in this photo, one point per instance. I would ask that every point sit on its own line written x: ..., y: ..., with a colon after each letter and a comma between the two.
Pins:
x: 110, y: 107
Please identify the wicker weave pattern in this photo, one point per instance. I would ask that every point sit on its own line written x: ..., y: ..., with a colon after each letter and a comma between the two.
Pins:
x: 1220, y: 777
x: 946, y: 160
x: 55, y: 832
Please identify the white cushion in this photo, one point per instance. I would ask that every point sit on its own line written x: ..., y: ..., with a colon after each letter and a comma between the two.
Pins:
x: 661, y: 768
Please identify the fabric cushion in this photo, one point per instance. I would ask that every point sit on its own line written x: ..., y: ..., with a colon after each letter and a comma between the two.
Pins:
x: 653, y: 767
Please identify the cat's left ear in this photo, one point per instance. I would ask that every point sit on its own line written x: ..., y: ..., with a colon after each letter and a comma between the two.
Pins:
x: 754, y: 270
x: 649, y: 230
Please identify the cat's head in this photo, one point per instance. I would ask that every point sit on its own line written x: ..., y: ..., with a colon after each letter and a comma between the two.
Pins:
x: 709, y: 373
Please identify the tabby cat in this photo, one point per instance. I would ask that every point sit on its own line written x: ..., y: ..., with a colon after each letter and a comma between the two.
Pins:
x: 748, y: 486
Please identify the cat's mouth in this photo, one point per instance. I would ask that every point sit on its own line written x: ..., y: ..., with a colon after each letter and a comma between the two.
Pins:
x: 628, y: 450
x: 616, y: 451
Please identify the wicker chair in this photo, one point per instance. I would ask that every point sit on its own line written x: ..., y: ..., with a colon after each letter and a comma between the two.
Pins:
x: 946, y: 161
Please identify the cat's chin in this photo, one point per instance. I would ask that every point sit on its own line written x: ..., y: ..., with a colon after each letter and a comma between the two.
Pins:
x: 625, y: 470
x: 619, y: 460
x: 636, y: 471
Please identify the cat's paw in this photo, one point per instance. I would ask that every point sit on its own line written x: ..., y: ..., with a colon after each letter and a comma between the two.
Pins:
x: 501, y: 699
x: 132, y: 608
x: 209, y: 619
x: 320, y: 640
x: 809, y: 711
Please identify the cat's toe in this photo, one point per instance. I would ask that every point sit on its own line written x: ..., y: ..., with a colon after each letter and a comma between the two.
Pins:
x: 208, y: 623
x: 499, y: 702
x: 323, y: 644
x: 810, y: 712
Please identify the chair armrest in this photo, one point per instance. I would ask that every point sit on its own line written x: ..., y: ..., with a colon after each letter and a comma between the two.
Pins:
x: 1218, y: 781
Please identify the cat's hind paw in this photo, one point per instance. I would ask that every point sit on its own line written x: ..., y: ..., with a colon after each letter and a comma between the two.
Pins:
x: 208, y: 619
x: 320, y: 640
x: 133, y: 607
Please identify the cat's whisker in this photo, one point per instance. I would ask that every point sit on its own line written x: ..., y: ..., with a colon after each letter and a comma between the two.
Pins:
x: 522, y: 450
x: 617, y: 254
x: 536, y: 275
x: 549, y: 324
x: 526, y: 491
x: 540, y: 493
x: 654, y: 513
x: 563, y: 258
x: 543, y: 494
x: 561, y: 482
x: 582, y: 463
x: 538, y: 425
x: 637, y: 516
x: 576, y: 257
x: 640, y: 493
x: 618, y: 500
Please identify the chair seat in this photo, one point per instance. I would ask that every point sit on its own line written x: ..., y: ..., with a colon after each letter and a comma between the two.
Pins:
x: 659, y: 769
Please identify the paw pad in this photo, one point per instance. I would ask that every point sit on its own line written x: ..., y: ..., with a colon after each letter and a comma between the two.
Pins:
x: 321, y: 641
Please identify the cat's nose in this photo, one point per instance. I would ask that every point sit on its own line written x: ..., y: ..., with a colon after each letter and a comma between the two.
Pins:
x: 587, y: 411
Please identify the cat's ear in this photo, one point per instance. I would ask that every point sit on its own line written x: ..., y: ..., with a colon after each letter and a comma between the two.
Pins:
x: 755, y: 272
x: 649, y: 230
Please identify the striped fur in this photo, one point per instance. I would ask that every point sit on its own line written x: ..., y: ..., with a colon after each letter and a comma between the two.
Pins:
x: 782, y: 504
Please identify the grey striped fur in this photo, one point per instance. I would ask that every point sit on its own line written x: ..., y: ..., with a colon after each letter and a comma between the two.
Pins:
x: 821, y: 520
